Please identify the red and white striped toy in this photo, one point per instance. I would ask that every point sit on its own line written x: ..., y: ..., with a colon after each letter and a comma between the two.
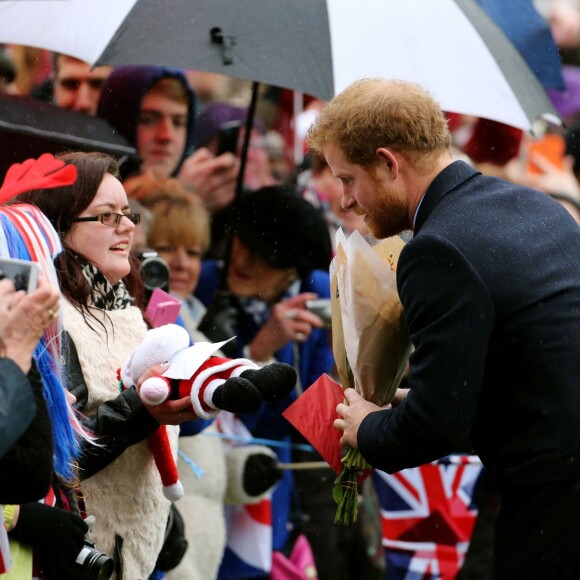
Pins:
x: 212, y: 383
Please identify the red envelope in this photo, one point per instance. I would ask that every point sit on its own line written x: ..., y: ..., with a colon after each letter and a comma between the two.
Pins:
x: 313, y: 415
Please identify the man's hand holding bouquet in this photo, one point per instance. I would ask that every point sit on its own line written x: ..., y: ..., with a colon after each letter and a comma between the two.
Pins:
x: 371, y: 347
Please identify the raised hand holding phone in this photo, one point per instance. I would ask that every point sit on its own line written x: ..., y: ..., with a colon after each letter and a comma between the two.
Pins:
x: 29, y: 316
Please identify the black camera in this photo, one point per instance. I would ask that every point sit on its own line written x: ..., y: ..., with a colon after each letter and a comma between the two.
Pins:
x: 92, y: 564
x: 154, y: 271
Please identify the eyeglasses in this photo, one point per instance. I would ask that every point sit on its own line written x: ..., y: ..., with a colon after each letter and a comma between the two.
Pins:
x: 108, y: 218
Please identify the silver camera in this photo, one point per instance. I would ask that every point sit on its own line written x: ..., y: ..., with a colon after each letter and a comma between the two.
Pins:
x: 321, y: 307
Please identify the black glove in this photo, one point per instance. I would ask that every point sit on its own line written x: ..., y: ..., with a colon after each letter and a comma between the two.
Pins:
x: 261, y: 472
x: 274, y: 381
x: 57, y: 535
x: 245, y: 394
x: 237, y: 395
x: 220, y: 321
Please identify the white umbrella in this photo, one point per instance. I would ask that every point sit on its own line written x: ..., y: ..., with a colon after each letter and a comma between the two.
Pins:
x: 318, y: 47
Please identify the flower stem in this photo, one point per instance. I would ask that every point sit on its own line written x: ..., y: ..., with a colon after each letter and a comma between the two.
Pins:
x: 345, y: 491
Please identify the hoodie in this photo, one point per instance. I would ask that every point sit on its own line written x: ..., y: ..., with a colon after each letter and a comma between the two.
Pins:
x: 123, y: 92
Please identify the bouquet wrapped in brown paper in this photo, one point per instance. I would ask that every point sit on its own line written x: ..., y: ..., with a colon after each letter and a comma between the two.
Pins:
x: 369, y: 339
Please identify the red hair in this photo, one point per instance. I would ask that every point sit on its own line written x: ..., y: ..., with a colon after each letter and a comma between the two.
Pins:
x: 493, y: 142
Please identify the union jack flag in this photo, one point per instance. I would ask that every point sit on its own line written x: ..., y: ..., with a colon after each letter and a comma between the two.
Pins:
x: 248, y: 550
x: 427, y: 515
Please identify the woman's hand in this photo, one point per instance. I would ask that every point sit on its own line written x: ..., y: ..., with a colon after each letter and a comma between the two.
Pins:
x: 28, y: 317
x: 170, y: 412
x: 290, y: 320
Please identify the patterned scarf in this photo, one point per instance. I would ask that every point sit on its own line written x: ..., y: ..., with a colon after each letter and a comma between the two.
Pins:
x: 103, y: 294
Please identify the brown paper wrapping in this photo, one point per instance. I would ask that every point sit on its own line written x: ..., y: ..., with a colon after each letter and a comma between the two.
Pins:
x: 343, y: 369
x: 369, y: 337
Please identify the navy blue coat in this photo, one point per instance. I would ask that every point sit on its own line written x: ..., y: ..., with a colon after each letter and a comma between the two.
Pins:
x: 490, y: 286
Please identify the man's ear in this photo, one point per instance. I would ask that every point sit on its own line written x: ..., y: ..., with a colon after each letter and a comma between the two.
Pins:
x: 388, y: 160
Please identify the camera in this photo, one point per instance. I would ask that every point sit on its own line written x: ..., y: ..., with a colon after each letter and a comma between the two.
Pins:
x: 23, y: 273
x: 92, y: 564
x: 322, y: 308
x: 154, y: 271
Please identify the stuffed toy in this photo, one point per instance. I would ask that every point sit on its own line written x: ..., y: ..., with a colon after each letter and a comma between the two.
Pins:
x: 213, y: 384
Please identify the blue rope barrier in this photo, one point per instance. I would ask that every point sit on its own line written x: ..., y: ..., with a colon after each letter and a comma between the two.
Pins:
x: 258, y: 441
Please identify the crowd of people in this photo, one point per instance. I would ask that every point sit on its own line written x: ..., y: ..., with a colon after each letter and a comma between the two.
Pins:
x: 489, y: 284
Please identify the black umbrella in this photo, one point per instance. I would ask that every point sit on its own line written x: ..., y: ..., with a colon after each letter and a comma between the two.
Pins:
x: 29, y: 128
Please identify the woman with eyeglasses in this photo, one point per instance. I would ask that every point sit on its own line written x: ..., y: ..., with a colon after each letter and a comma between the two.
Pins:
x: 102, y: 289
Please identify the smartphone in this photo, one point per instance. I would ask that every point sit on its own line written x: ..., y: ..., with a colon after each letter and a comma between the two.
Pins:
x: 321, y: 308
x: 228, y: 137
x: 162, y: 308
x: 23, y: 273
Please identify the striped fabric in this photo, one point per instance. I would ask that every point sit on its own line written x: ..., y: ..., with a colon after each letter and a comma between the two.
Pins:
x: 249, y: 527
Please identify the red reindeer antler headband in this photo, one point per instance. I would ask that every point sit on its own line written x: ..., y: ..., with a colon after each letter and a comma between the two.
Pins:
x: 42, y: 173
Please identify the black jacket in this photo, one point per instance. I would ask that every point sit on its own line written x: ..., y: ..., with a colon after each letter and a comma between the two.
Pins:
x: 490, y: 285
x: 26, y: 469
x: 117, y: 424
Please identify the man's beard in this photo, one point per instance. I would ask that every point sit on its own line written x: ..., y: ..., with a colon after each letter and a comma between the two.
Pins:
x: 387, y: 215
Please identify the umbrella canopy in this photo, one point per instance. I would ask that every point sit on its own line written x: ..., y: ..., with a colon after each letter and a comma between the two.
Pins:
x: 318, y: 47
x: 29, y: 128
x: 531, y: 35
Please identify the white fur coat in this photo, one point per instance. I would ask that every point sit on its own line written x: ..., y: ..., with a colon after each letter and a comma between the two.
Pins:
x: 126, y: 497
